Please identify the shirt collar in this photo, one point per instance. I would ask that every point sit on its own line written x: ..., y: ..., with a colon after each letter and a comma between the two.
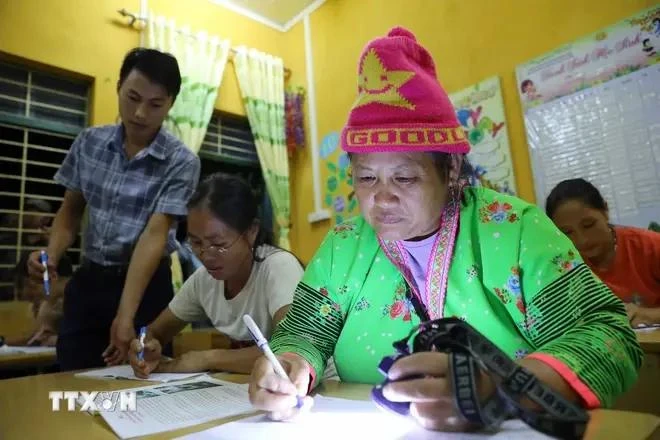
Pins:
x: 158, y: 148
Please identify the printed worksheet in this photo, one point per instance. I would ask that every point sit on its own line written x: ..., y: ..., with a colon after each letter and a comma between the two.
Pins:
x: 126, y: 372
x: 167, y: 407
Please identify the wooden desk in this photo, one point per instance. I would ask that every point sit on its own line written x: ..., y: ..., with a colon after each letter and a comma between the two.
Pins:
x: 21, y: 360
x: 25, y: 411
x: 16, y: 319
x: 650, y: 341
x: 644, y: 395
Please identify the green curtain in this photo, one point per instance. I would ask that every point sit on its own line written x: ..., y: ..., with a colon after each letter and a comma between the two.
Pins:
x: 202, y: 60
x: 261, y: 81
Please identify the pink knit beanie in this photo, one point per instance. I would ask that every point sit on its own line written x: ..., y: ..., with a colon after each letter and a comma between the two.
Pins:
x: 401, y: 106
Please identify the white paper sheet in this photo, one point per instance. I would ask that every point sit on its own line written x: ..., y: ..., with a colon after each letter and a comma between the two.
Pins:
x: 336, y: 419
x: 126, y: 372
x: 649, y: 328
x: 7, y: 349
x: 178, y: 405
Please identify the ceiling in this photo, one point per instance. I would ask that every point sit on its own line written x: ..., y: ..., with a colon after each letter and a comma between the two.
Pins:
x: 279, y: 14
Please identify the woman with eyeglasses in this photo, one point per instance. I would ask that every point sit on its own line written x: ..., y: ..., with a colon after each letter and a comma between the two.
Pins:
x: 242, y: 273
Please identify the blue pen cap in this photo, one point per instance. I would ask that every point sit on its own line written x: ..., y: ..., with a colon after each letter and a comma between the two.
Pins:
x: 43, y: 256
x: 143, y: 334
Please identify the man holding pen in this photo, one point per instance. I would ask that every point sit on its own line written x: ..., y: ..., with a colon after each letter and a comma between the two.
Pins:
x: 135, y: 179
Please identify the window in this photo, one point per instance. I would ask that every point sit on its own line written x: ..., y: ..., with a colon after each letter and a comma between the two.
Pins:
x: 40, y: 115
x: 229, y: 139
x: 228, y: 147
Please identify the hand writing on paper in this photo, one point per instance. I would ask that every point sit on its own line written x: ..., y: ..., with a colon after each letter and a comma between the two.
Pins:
x: 431, y: 398
x: 272, y: 393
x: 151, y: 359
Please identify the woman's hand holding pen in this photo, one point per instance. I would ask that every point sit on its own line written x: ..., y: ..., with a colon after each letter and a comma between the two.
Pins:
x: 277, y: 395
x: 151, y: 358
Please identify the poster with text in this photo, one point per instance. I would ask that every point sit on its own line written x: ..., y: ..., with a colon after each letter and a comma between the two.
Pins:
x: 627, y: 46
x: 336, y: 183
x: 480, y: 110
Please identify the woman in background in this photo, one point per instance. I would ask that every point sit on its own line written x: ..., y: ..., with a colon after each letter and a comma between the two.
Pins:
x: 627, y: 259
x: 242, y: 273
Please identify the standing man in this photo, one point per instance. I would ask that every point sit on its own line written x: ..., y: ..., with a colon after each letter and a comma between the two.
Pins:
x: 135, y: 179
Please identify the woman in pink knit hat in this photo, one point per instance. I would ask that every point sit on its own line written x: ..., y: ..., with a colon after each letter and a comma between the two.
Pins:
x: 427, y: 246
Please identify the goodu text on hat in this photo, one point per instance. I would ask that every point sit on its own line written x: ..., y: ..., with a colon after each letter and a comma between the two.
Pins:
x: 403, y: 136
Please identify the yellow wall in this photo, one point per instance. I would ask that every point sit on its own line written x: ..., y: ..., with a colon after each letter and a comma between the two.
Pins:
x: 87, y: 37
x: 300, y: 163
x: 470, y: 40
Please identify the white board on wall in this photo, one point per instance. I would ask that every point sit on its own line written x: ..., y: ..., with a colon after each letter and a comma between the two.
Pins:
x: 592, y: 110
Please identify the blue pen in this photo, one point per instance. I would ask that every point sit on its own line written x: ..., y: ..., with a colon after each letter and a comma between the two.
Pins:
x: 143, y: 335
x: 262, y: 343
x: 44, y: 263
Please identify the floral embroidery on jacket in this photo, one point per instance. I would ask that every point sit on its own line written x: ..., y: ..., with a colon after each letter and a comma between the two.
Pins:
x: 400, y: 307
x: 472, y: 273
x: 362, y: 304
x: 513, y: 283
x: 325, y: 310
x: 503, y: 295
x: 521, y: 353
x: 531, y: 321
x: 344, y: 230
x: 512, y: 291
x: 497, y: 212
x: 565, y: 263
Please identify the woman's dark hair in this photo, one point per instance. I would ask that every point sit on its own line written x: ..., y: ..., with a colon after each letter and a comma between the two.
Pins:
x: 64, y: 269
x: 161, y: 68
x: 231, y: 200
x: 443, y: 164
x: 525, y: 84
x: 574, y: 189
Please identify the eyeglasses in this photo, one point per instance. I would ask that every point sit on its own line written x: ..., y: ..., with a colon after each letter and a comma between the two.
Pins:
x: 213, y: 250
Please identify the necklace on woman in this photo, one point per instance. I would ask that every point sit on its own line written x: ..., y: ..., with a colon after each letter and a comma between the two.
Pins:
x: 607, y: 263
